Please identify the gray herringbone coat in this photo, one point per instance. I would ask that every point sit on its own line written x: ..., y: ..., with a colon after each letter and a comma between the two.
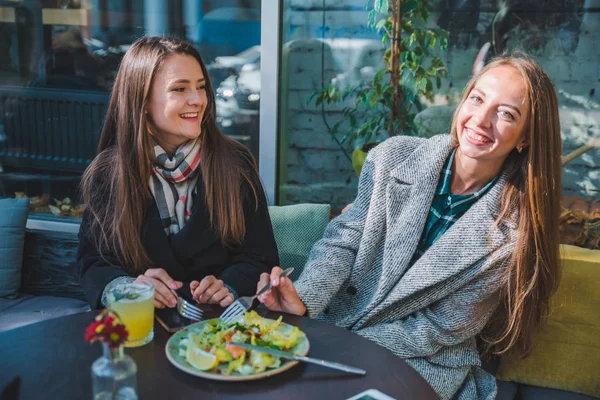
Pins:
x: 359, y: 275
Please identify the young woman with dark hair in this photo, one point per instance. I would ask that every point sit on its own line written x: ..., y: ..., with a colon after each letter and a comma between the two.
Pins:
x: 169, y: 198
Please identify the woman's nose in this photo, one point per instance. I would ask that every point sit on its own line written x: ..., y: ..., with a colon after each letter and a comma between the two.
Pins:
x: 194, y: 99
x: 483, y: 116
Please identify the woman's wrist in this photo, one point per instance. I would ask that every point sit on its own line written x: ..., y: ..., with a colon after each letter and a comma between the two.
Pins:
x: 305, y: 313
x: 299, y: 309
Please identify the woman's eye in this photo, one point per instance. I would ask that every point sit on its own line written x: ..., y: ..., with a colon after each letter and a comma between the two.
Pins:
x: 201, y: 87
x: 179, y: 89
x: 476, y: 99
x: 507, y: 115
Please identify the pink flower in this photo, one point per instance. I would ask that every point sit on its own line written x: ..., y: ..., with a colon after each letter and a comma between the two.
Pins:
x: 106, y: 330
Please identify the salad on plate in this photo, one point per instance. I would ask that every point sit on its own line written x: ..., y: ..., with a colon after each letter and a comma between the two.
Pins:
x: 205, y: 346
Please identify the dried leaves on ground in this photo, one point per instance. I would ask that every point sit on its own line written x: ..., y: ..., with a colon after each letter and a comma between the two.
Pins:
x: 580, y: 222
x: 59, y: 208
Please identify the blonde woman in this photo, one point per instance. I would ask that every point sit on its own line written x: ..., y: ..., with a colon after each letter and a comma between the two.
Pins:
x: 169, y: 198
x: 450, y: 238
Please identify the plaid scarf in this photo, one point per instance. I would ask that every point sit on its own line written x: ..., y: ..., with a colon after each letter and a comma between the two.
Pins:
x: 173, y: 183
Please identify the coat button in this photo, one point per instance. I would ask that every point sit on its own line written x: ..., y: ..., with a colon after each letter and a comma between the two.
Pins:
x: 351, y: 290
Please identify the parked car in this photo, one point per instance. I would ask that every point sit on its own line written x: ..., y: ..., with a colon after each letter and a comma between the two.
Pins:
x: 238, y: 100
x: 226, y: 66
x: 238, y: 95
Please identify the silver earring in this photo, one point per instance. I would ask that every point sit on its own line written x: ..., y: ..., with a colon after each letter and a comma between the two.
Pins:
x: 520, y: 147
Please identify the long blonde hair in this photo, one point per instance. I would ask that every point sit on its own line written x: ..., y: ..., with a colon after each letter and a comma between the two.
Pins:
x: 534, y: 184
x: 115, y: 186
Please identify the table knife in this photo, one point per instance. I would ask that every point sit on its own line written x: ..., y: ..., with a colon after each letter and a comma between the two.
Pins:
x: 283, y: 354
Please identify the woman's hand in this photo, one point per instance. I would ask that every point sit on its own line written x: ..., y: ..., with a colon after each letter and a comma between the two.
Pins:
x: 282, y: 296
x: 211, y: 291
x: 163, y: 297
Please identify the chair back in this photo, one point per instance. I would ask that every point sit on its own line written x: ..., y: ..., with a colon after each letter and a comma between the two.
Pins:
x: 296, y: 228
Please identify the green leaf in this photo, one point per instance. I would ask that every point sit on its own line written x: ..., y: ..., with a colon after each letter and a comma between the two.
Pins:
x: 379, y: 75
x: 443, y: 43
x: 429, y: 87
x: 419, y: 106
x: 381, y: 6
x: 408, y: 6
x: 358, y: 159
x: 420, y: 37
x: 371, y: 18
x: 438, y: 82
x: 380, y: 25
x: 352, y: 120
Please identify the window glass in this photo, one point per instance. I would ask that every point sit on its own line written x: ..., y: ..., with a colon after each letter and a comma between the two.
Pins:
x: 58, y: 61
x: 328, y: 43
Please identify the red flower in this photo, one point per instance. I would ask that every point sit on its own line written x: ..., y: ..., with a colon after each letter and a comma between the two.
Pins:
x: 105, y: 330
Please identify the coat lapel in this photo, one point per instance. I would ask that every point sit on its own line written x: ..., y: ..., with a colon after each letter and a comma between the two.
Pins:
x: 471, y: 239
x: 409, y: 193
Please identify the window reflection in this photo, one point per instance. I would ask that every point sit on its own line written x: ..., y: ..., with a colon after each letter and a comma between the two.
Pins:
x: 329, y: 44
x: 58, y: 61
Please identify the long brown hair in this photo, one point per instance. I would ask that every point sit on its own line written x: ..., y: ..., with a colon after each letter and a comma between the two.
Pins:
x: 115, y: 186
x: 533, y: 185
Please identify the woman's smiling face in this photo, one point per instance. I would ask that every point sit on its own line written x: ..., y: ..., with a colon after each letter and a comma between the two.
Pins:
x: 492, y: 120
x: 178, y: 101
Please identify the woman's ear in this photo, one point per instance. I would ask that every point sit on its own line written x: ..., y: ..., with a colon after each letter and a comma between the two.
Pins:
x: 522, y: 145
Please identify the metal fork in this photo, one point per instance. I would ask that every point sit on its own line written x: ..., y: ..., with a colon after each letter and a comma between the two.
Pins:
x: 187, y: 309
x: 243, y: 304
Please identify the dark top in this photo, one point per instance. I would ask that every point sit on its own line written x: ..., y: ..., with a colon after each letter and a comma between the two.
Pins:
x: 192, y: 253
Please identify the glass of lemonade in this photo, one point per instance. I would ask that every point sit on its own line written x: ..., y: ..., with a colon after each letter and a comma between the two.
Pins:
x: 134, y: 304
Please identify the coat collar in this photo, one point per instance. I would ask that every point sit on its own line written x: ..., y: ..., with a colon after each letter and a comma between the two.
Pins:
x: 433, y: 153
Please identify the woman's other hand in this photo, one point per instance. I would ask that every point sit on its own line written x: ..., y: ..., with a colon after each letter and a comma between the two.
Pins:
x: 282, y: 296
x: 211, y: 291
x: 163, y: 297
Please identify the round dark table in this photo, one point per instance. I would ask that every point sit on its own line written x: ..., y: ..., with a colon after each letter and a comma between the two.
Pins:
x: 53, y: 361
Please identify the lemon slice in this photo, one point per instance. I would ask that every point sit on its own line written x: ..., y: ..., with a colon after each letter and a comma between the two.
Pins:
x: 201, y: 359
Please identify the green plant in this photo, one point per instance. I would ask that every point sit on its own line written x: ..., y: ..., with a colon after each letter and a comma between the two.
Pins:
x: 387, y: 105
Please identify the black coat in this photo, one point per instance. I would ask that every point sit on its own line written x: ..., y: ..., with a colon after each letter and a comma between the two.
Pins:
x: 191, y: 254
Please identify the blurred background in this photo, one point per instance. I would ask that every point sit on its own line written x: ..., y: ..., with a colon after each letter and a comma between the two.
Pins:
x: 58, y: 60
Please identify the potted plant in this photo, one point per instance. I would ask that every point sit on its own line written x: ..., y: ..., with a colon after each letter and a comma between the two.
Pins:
x: 387, y: 105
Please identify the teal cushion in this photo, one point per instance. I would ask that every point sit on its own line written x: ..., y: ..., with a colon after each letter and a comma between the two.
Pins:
x: 297, y: 227
x: 13, y: 217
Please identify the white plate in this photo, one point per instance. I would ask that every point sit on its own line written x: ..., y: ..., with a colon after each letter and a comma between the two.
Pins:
x: 173, y: 345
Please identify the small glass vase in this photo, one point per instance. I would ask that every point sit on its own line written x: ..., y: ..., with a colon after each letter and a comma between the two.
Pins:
x: 114, y: 375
